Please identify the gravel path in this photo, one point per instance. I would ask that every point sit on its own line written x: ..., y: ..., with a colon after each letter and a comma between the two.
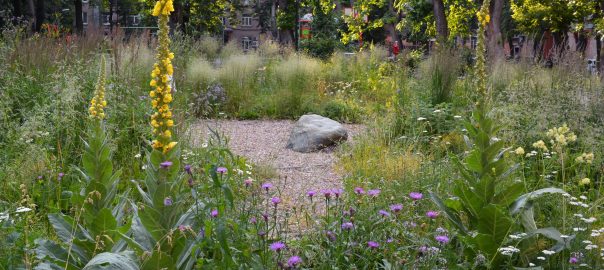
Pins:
x: 263, y: 142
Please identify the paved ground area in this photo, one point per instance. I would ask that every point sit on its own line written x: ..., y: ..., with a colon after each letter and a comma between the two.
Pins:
x: 264, y: 141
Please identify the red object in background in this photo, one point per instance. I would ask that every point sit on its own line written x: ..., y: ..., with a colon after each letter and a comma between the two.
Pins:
x: 395, y: 48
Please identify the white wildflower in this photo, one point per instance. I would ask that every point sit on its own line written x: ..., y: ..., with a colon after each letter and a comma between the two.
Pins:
x: 421, y: 119
x: 22, y: 209
x: 541, y: 258
x: 508, y: 251
x: 548, y: 252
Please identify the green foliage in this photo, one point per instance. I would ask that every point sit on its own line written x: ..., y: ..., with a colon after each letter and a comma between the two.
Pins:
x: 533, y: 16
x: 98, y: 221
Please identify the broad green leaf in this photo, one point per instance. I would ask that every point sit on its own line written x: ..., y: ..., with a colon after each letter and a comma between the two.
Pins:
x: 525, y: 200
x: 509, y: 194
x: 494, y: 222
x: 104, y: 223
x: 452, y: 215
x: 113, y: 261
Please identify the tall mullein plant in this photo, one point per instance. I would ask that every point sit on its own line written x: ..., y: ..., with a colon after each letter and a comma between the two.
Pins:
x: 479, y: 208
x: 162, y: 226
x: 91, y: 237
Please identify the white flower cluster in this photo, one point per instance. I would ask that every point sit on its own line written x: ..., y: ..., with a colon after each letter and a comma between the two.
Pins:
x: 508, y: 251
x: 517, y: 236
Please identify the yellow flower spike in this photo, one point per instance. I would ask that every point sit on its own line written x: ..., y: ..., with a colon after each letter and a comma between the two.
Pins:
x: 162, y: 70
x: 98, y: 102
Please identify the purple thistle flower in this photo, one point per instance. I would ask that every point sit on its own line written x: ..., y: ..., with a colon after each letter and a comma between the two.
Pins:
x: 267, y: 186
x: 248, y: 182
x: 384, y: 213
x: 373, y: 192
x: 188, y: 168
x: 416, y: 196
x: 275, y: 201
x: 396, y: 208
x: 293, y: 261
x: 190, y: 182
x: 165, y: 164
x: 432, y: 214
x: 40, y: 177
x: 326, y: 193
x: 214, y: 213
x: 253, y: 220
x: 443, y: 239
x: 60, y: 176
x: 573, y: 260
x: 167, y: 201
x: 261, y: 233
x: 389, y: 240
x: 277, y: 246
x: 331, y: 236
x: 311, y: 193
x: 265, y: 216
x: 347, y: 225
x: 359, y: 191
x: 221, y: 170
x: 373, y: 244
x: 337, y: 192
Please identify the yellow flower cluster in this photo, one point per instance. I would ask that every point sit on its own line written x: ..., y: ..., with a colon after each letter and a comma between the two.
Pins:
x: 519, y: 151
x: 483, y: 17
x: 161, y: 77
x: 561, y: 136
x: 540, y: 144
x: 585, y: 158
x: 163, y: 7
x: 98, y: 102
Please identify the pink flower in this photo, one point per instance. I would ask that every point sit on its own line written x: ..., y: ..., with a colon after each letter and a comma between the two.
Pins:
x: 396, y: 208
x: 277, y: 246
x: 214, y: 213
x: 373, y: 244
x: 373, y: 192
x: 275, y: 200
x: 359, y: 191
x: 443, y: 239
x: 416, y: 196
x: 267, y: 186
x: 432, y: 214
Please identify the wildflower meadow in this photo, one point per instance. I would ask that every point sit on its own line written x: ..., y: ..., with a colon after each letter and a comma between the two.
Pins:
x: 479, y: 164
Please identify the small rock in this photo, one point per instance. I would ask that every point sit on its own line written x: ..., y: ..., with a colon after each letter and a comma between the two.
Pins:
x: 314, y: 132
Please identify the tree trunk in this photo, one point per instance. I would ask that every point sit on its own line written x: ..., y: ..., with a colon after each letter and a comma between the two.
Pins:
x: 599, y: 53
x: 495, y: 40
x: 285, y: 35
x: 391, y: 27
x: 32, y: 13
x: 39, y: 14
x: 79, y: 24
x: 442, y: 29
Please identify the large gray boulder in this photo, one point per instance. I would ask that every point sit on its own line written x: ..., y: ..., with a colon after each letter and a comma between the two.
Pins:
x: 314, y: 132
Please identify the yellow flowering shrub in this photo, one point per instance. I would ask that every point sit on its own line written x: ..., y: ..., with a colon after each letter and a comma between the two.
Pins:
x: 98, y: 102
x: 161, y: 76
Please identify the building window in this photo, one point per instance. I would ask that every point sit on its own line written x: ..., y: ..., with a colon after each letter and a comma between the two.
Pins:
x: 246, y: 43
x: 134, y: 20
x: 85, y: 18
x: 106, y: 20
x: 473, y: 42
x: 246, y: 20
